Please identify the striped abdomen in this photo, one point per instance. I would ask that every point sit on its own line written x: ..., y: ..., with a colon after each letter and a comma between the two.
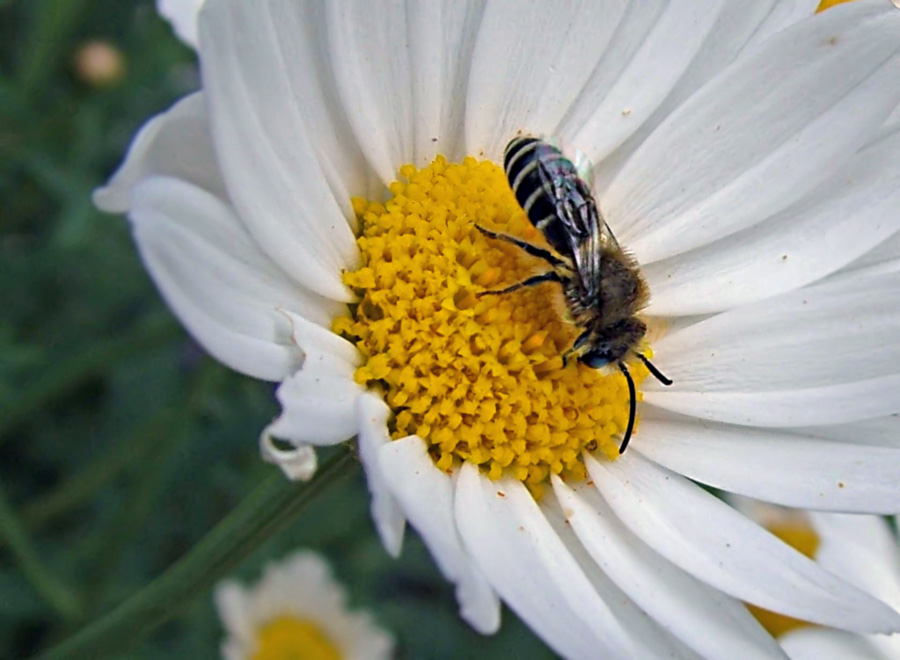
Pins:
x: 548, y: 188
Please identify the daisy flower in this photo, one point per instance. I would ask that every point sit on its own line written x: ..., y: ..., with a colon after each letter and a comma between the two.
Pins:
x: 864, y: 550
x: 310, y: 217
x: 297, y: 610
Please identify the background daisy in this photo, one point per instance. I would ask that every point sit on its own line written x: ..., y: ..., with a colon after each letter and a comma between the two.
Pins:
x: 862, y: 549
x: 297, y: 610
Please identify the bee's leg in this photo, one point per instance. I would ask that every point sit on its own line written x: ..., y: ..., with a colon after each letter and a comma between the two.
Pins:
x: 533, y: 250
x: 549, y: 276
x: 632, y: 408
x: 653, y: 370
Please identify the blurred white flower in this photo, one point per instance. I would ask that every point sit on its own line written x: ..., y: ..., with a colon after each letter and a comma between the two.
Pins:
x: 863, y: 550
x: 748, y: 157
x: 297, y: 610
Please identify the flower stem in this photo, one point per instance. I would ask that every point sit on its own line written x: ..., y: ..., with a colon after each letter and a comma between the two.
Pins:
x: 270, y: 508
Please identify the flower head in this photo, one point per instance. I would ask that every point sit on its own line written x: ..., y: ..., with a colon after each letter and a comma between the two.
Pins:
x: 311, y: 217
x: 297, y: 610
x: 863, y: 550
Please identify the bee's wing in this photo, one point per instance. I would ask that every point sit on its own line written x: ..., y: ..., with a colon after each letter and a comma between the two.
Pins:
x: 575, y: 230
x: 607, y: 232
x: 588, y: 254
x: 588, y: 233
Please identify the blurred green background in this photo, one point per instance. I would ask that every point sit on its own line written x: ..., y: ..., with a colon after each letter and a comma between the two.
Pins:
x: 121, y: 443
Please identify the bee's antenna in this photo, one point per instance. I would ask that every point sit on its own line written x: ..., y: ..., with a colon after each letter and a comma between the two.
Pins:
x: 632, y: 408
x: 656, y: 372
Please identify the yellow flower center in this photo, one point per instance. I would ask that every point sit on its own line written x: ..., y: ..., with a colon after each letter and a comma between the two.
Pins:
x: 800, y: 535
x: 479, y: 379
x: 287, y: 638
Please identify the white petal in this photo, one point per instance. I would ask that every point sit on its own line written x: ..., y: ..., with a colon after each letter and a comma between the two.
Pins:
x: 426, y: 495
x: 629, y: 85
x: 402, y: 71
x: 215, y: 279
x: 182, y: 14
x: 826, y: 354
x: 529, y: 566
x: 317, y: 408
x: 684, y: 606
x: 369, y: 53
x: 886, y: 254
x: 864, y: 551
x: 882, y: 431
x: 648, y: 638
x: 861, y: 549
x: 298, y: 463
x: 713, y: 542
x: 302, y: 40
x: 441, y: 39
x: 323, y: 351
x: 738, y: 25
x: 831, y: 404
x: 783, y: 15
x: 818, y: 644
x: 846, y: 217
x: 891, y: 125
x: 232, y: 604
x: 175, y: 143
x: 269, y: 146
x: 885, y: 267
x: 523, y: 78
x: 390, y: 521
x: 742, y: 148
x: 303, y: 54
x: 790, y: 470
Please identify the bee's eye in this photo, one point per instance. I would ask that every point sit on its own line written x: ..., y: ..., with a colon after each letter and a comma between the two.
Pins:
x: 594, y: 360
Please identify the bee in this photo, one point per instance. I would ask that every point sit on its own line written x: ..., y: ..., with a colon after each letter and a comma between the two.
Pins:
x: 601, y: 282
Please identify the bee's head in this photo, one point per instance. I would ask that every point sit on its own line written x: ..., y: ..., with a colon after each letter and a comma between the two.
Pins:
x: 611, y: 343
x: 595, y: 359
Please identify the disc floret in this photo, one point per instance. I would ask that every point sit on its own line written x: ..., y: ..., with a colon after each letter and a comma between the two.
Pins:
x: 479, y: 379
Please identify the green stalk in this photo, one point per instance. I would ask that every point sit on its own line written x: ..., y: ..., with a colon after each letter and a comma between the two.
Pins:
x: 274, y: 505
